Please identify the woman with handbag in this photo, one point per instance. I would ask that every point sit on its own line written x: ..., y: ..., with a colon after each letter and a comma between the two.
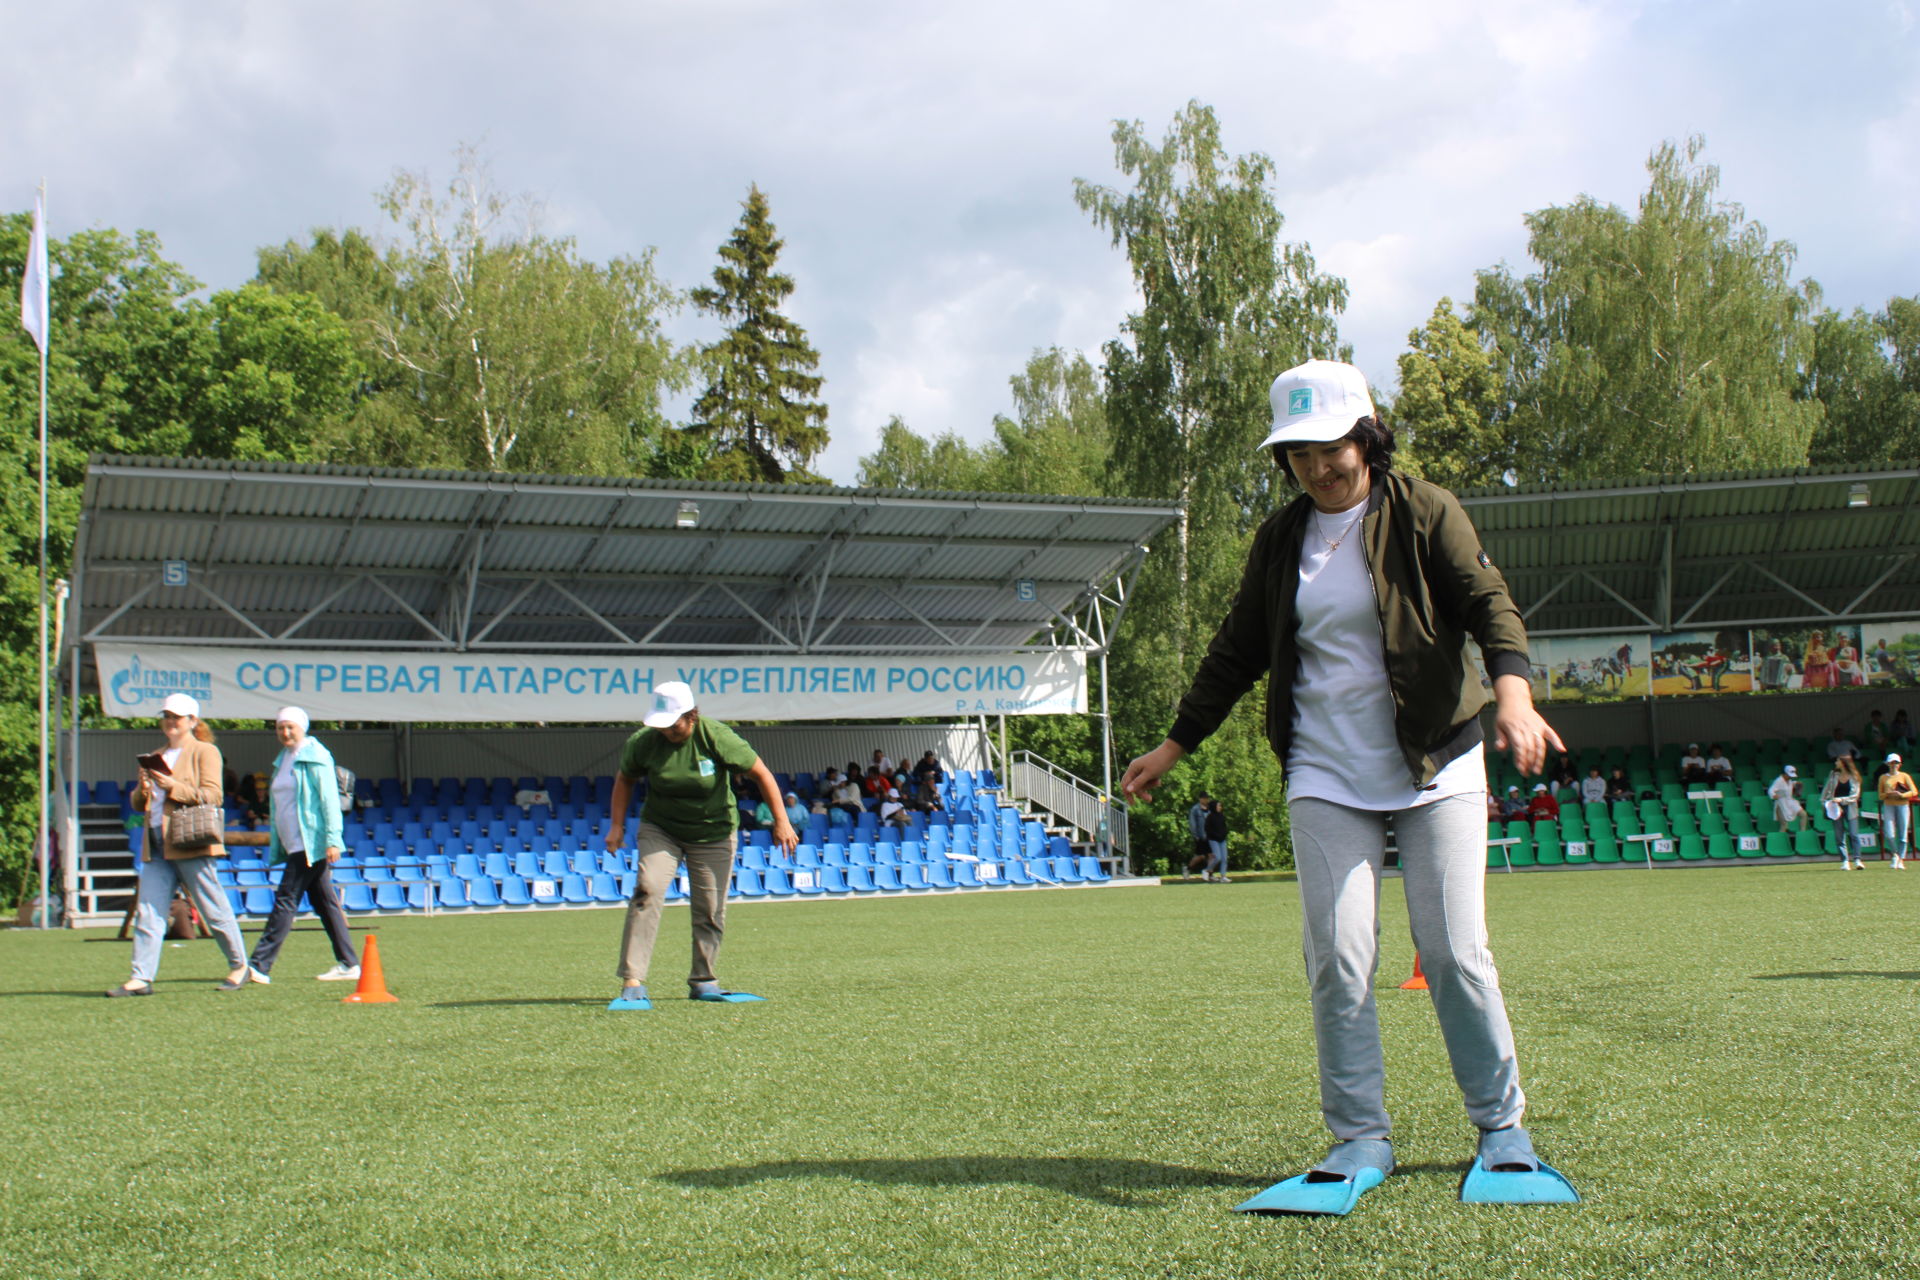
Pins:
x: 185, y: 824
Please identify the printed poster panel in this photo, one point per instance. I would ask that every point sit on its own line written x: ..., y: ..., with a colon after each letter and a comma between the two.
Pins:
x: 1797, y: 658
x: 1702, y: 662
x: 1890, y: 652
x: 1602, y: 668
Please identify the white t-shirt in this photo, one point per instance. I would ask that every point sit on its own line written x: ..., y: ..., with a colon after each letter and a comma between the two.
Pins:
x: 286, y: 808
x: 1344, y: 746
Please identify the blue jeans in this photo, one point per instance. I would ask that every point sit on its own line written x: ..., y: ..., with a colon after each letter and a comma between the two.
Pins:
x: 158, y: 878
x: 1846, y: 833
x: 1217, y: 856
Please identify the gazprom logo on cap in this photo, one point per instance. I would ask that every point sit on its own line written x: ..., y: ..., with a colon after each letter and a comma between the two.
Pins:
x: 1299, y: 401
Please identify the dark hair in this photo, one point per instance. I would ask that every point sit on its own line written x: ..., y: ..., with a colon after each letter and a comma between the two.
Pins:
x: 1374, y: 437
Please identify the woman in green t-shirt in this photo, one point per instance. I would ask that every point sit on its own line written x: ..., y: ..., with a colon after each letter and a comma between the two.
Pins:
x: 688, y: 817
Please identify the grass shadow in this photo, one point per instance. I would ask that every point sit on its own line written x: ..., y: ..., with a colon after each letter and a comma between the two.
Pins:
x: 1898, y: 975
x: 1120, y: 1183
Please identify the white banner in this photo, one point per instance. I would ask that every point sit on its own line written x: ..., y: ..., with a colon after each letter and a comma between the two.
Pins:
x: 252, y: 684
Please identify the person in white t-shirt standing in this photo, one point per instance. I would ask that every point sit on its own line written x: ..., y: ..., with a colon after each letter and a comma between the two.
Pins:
x: 1357, y: 602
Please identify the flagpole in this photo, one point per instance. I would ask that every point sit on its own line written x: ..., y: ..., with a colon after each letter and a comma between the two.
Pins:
x: 46, y: 808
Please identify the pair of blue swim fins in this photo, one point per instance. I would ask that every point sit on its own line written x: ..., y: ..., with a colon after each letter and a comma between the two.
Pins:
x: 1505, y: 1170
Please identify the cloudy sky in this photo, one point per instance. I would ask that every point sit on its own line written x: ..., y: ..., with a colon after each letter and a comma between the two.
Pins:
x: 920, y: 157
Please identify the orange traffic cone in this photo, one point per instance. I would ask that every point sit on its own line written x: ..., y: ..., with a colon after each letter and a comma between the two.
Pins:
x: 1418, y: 982
x: 373, y: 983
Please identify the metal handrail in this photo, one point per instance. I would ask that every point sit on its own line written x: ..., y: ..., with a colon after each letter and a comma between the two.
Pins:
x: 1078, y: 803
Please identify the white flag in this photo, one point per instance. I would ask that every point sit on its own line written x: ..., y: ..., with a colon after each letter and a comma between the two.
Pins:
x: 33, y: 285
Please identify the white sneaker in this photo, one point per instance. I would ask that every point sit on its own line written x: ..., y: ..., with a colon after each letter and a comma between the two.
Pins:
x: 1845, y: 865
x: 340, y: 973
x: 1224, y: 880
x: 1899, y: 864
x: 256, y: 975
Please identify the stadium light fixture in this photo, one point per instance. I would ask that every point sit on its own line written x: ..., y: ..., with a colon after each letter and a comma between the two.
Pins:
x: 1858, y: 495
x: 688, y: 516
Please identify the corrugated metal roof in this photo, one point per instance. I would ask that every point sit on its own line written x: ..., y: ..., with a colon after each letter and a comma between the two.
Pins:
x: 1707, y: 549
x: 314, y: 554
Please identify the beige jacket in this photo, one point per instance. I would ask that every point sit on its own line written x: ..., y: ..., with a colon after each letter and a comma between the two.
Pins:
x: 198, y: 771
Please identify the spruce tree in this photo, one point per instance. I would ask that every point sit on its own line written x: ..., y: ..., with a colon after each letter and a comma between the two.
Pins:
x: 758, y: 415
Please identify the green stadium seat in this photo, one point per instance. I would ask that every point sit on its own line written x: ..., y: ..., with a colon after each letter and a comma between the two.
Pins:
x: 1547, y: 850
x: 1778, y: 844
x: 1808, y: 844
x: 1720, y: 845
x: 1521, y: 854
x: 1606, y: 849
x: 1659, y: 854
x: 1691, y: 849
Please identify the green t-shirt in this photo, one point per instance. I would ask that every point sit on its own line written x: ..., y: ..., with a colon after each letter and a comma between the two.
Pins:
x: 687, y: 792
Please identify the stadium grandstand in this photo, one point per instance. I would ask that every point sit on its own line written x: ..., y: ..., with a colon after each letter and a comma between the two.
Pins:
x: 553, y: 603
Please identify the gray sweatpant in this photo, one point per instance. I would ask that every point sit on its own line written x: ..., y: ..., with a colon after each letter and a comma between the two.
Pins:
x: 1443, y: 857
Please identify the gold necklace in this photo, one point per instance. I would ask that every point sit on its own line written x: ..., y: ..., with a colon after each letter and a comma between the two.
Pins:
x: 1333, y: 544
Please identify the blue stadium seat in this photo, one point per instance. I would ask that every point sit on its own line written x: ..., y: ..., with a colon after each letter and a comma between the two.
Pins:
x: 913, y: 875
x: 776, y: 882
x: 940, y: 875
x: 1014, y: 871
x: 453, y: 895
x: 605, y: 888
x: 966, y: 876
x: 1064, y: 871
x: 390, y: 896
x: 573, y: 890
x: 356, y: 899
x: 237, y: 900
x: 860, y: 880
x: 1091, y: 871
x: 482, y: 893
x: 513, y: 892
x: 833, y: 880
x: 422, y: 895
x: 746, y: 883
x: 887, y: 879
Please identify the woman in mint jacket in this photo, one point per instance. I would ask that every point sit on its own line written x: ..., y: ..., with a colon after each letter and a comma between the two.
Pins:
x: 303, y: 833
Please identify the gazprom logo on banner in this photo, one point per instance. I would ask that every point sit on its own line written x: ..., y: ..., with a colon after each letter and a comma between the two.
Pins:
x: 138, y: 684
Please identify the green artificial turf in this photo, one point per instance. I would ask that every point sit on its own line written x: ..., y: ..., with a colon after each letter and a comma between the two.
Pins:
x: 1067, y: 1083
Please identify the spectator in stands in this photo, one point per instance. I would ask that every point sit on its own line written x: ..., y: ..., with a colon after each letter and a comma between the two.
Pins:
x: 1841, y: 797
x: 1368, y: 578
x: 1840, y: 745
x: 1619, y: 786
x: 1785, y: 794
x: 846, y: 798
x: 749, y: 805
x: 1719, y: 768
x: 1214, y: 828
x: 893, y: 812
x: 187, y: 775
x: 1897, y: 794
x: 1514, y: 807
x: 877, y: 784
x: 1879, y: 738
x: 249, y: 796
x: 304, y: 836
x: 1496, y: 812
x: 797, y: 813
x: 1901, y: 733
x: 1564, y: 775
x: 927, y: 773
x: 688, y: 818
x: 1693, y: 765
x: 823, y: 789
x: 883, y: 762
x: 1593, y: 787
x: 1542, y: 807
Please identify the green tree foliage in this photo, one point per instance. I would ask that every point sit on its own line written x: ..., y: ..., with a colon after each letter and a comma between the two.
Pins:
x: 490, y: 345
x: 759, y: 412
x: 136, y: 365
x: 1671, y: 341
x: 1445, y: 413
x: 1866, y: 375
x: 1225, y: 306
x: 1055, y: 442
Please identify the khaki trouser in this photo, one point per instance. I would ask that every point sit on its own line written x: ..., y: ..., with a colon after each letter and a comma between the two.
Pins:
x: 709, y: 868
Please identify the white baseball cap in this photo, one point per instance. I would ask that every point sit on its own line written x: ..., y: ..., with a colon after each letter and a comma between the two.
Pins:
x: 1538, y: 787
x: 1789, y: 770
x: 1893, y: 757
x: 670, y: 701
x: 1317, y: 403
x: 181, y: 704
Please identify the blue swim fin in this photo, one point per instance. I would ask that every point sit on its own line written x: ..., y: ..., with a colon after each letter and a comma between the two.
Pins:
x: 1544, y: 1185
x: 623, y: 1003
x: 1334, y: 1198
x: 1506, y: 1171
x: 725, y: 997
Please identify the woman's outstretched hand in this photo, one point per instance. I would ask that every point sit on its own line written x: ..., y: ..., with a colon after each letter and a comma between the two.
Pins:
x: 1145, y: 772
x: 1518, y: 728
